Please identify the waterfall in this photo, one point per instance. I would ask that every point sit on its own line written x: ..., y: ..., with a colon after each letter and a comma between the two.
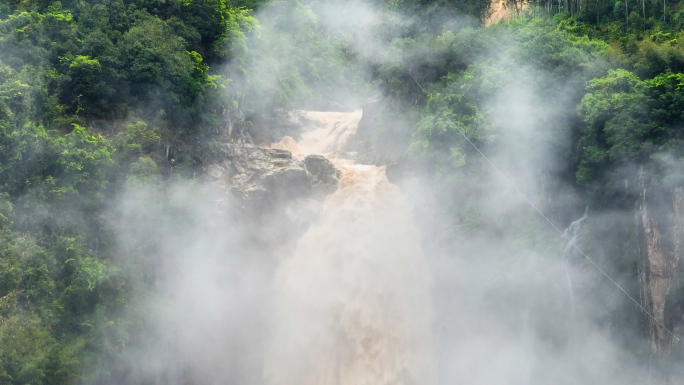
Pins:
x: 353, y: 302
x: 570, y: 234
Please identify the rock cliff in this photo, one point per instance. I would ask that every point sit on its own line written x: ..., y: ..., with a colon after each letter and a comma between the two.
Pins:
x: 661, y: 218
x: 274, y: 193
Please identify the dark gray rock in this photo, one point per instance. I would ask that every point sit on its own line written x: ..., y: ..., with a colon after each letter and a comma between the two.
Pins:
x: 268, y: 191
x: 277, y: 153
x: 259, y: 176
x: 325, y: 177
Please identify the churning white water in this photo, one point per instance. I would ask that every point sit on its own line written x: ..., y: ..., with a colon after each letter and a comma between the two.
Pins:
x: 353, y: 300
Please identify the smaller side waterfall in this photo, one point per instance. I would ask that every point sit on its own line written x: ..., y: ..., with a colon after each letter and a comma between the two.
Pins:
x: 571, y: 234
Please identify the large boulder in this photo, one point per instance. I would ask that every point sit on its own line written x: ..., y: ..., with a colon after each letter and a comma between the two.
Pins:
x: 274, y: 194
x: 259, y: 177
x: 325, y: 177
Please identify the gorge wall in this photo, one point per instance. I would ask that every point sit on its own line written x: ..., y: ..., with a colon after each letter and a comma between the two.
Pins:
x: 660, y: 219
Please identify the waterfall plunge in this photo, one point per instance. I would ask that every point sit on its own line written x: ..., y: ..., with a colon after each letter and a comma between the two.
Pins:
x: 353, y: 301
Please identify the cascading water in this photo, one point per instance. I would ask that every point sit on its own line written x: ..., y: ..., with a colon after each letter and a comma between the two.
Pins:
x: 353, y: 300
x: 570, y: 234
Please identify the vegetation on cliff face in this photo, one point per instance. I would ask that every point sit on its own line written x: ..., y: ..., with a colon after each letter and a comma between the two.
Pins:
x: 98, y: 96
x: 573, y: 112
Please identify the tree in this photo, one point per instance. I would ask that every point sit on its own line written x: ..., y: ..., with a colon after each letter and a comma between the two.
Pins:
x: 618, y: 127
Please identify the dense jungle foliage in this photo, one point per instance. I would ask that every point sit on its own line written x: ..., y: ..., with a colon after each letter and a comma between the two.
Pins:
x: 94, y: 95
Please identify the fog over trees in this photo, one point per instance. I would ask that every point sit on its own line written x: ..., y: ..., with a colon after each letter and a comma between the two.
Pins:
x: 156, y: 212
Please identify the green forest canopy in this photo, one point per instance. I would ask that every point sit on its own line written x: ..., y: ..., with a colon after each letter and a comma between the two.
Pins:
x: 93, y: 92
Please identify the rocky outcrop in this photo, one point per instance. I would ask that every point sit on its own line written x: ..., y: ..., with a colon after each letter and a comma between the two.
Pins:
x: 259, y: 177
x: 661, y: 218
x: 325, y: 176
x: 272, y: 193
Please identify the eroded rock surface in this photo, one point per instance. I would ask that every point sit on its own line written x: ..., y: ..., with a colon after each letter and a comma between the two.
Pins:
x: 260, y: 176
x: 661, y: 219
x: 325, y: 177
x: 275, y: 193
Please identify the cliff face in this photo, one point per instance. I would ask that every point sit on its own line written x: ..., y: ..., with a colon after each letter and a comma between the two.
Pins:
x: 258, y: 175
x: 660, y: 218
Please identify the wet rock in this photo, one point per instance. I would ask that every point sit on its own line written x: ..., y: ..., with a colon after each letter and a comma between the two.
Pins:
x: 325, y: 177
x: 278, y: 153
x: 271, y: 193
x: 259, y: 177
x: 661, y: 218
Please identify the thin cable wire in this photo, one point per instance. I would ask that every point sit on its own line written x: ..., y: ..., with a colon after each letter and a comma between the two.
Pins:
x: 510, y: 182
